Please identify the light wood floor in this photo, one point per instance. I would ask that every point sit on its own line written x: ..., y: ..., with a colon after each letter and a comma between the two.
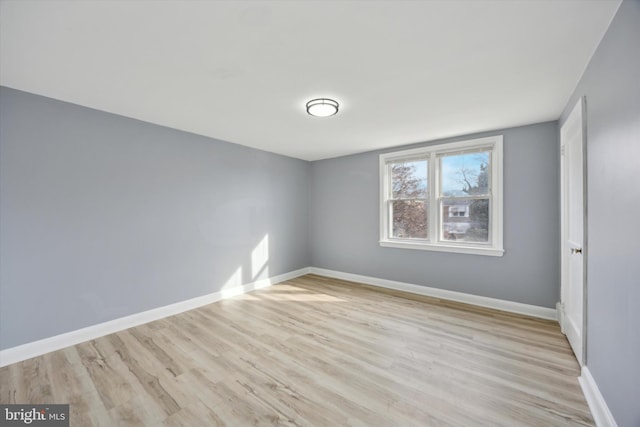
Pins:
x: 315, y: 351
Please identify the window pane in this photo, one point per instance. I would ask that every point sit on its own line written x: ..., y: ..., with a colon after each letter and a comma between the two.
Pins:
x: 409, y: 180
x: 409, y: 219
x: 465, y: 174
x: 465, y: 220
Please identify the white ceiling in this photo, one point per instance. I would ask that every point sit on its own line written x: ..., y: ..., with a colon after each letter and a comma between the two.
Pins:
x: 241, y: 71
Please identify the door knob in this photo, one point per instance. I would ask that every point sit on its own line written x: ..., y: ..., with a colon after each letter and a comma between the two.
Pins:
x: 576, y: 250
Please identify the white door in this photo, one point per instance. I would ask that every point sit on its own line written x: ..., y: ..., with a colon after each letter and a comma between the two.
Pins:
x: 572, y: 308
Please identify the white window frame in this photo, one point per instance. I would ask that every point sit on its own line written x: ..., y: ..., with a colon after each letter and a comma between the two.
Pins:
x: 435, y: 242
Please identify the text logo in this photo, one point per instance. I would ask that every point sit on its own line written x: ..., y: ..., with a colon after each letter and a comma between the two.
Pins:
x: 34, y: 415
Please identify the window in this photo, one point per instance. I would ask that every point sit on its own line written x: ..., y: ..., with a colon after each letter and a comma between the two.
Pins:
x: 445, y: 197
x: 458, y: 210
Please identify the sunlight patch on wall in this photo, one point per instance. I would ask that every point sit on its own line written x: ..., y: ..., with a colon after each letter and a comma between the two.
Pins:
x: 260, y: 259
x: 234, y: 280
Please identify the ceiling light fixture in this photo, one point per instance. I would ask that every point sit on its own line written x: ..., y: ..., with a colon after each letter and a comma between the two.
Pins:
x: 322, y: 107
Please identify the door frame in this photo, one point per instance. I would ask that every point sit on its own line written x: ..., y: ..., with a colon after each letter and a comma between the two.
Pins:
x: 564, y: 250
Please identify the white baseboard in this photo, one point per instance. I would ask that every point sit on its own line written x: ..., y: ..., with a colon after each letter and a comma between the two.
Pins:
x: 37, y: 348
x: 599, y: 409
x: 498, y: 304
x: 559, y: 309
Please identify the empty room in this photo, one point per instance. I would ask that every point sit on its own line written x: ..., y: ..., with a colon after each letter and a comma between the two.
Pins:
x: 320, y: 213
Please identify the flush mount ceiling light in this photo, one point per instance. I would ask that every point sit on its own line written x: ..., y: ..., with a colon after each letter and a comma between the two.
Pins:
x: 322, y: 107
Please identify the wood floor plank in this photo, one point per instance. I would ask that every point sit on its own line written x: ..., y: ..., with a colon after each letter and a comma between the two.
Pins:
x: 315, y: 351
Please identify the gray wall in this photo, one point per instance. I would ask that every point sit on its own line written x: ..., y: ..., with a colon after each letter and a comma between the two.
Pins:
x: 344, y: 222
x: 611, y: 84
x: 103, y: 216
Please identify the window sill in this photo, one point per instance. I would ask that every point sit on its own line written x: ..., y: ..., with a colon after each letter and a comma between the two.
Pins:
x: 472, y: 250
